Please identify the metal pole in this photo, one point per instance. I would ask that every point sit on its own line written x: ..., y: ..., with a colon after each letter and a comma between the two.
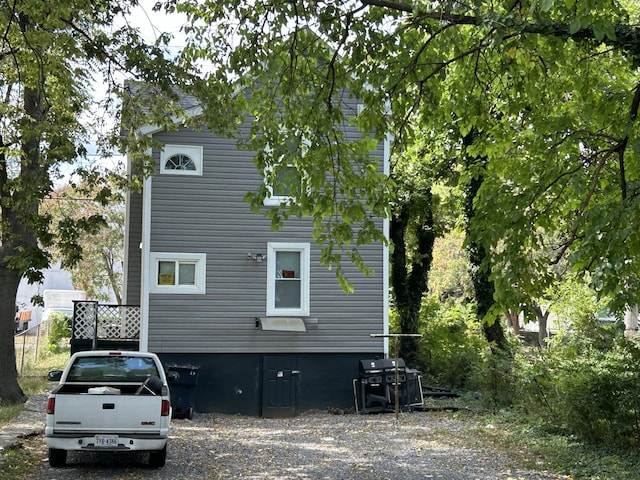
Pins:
x: 397, y: 341
x: 35, y: 356
x: 24, y: 339
x: 94, y: 344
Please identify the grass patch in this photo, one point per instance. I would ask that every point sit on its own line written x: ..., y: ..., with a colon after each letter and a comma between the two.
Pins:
x: 23, y: 462
x: 540, y: 447
x: 34, y: 380
x: 8, y: 413
x: 34, y: 377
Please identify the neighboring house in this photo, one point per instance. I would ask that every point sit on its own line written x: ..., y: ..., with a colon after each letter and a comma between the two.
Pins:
x: 60, y: 301
x: 268, y: 326
x: 53, y: 278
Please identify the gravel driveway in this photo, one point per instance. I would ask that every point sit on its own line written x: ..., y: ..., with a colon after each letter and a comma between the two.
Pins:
x: 317, y: 446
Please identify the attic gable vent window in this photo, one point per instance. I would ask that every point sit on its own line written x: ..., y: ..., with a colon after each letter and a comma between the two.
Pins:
x: 181, y: 160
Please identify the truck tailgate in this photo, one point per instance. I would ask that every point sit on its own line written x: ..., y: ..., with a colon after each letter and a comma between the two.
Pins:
x: 107, y: 413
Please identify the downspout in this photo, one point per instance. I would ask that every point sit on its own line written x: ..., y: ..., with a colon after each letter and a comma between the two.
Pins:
x: 144, y: 264
x: 127, y: 241
x: 385, y: 254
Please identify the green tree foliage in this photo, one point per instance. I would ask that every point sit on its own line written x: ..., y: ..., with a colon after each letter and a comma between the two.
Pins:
x: 550, y: 88
x: 449, y: 280
x: 534, y: 104
x: 99, y: 271
x: 50, y: 55
x: 412, y: 223
x: 59, y: 330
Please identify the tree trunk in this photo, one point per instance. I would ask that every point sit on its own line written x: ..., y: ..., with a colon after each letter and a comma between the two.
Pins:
x: 18, y: 239
x: 631, y: 320
x: 115, y: 287
x: 482, y: 284
x: 543, y: 318
x: 513, y: 318
x: 10, y: 391
x: 409, y: 278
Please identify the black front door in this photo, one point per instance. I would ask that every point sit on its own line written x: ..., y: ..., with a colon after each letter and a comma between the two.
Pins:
x: 279, y: 386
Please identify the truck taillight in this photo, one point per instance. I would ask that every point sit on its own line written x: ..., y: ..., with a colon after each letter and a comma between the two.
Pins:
x: 165, y: 410
x: 51, y: 406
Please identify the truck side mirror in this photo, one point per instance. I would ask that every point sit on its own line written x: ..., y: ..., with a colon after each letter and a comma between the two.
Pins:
x: 54, y: 375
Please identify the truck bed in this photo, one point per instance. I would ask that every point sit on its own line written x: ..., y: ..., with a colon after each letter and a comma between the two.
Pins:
x: 84, y: 413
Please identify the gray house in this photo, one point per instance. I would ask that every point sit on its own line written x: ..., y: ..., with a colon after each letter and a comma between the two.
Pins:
x: 268, y: 326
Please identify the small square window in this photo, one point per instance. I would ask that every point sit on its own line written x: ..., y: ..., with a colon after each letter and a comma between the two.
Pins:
x: 186, y: 273
x: 288, y: 177
x: 167, y: 273
x: 178, y: 272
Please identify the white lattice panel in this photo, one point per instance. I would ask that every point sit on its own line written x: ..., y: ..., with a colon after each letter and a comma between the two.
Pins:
x: 84, y: 317
x: 121, y: 322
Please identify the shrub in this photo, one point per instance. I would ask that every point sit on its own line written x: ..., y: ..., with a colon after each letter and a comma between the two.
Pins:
x: 59, y: 330
x: 587, y: 384
x: 452, y: 344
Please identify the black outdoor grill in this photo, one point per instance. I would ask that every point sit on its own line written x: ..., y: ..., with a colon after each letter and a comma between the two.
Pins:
x: 375, y: 389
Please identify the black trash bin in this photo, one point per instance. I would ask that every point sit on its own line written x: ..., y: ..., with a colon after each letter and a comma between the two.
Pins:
x: 183, y: 383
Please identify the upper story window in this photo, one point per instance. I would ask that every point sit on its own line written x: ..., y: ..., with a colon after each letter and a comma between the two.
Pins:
x: 182, y: 273
x: 288, y: 279
x: 181, y: 160
x: 286, y: 180
x: 283, y: 181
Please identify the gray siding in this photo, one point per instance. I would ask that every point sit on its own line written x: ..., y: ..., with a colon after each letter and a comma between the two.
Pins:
x: 206, y: 214
x: 133, y: 265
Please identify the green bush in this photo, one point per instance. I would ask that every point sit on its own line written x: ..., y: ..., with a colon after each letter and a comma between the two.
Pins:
x: 587, y: 384
x: 452, y: 344
x: 59, y: 330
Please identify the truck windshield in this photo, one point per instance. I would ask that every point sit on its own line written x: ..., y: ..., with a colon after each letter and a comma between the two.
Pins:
x: 112, y: 369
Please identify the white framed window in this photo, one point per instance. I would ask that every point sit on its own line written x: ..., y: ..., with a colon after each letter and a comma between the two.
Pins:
x: 288, y: 272
x: 178, y: 273
x: 181, y: 160
x: 287, y: 177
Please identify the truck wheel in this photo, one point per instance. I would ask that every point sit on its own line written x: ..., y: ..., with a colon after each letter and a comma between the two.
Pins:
x: 158, y: 458
x: 57, y: 457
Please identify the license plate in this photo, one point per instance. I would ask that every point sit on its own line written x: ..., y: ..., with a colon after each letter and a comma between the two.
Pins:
x: 106, y: 441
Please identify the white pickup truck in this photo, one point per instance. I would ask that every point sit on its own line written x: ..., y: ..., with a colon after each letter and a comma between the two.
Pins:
x: 109, y: 401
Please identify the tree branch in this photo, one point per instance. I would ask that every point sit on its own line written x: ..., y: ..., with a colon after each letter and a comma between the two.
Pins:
x: 627, y: 37
x: 622, y: 146
x: 583, y: 207
x: 91, y: 41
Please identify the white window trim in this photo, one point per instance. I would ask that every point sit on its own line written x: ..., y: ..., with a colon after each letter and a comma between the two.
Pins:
x: 272, y: 200
x: 200, y: 260
x: 275, y: 200
x: 192, y: 151
x: 305, y: 270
